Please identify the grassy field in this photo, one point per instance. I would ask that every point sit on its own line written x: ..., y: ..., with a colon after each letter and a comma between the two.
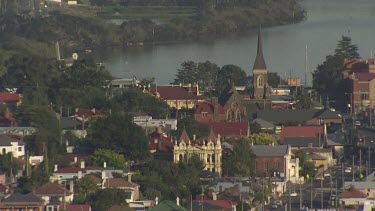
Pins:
x: 135, y: 12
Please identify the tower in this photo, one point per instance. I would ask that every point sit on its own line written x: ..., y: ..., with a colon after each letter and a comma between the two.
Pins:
x: 260, y: 72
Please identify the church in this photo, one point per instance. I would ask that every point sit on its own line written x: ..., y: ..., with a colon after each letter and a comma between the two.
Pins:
x: 238, y: 105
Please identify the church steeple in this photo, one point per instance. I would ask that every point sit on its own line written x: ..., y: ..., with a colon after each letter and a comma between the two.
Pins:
x: 259, y: 63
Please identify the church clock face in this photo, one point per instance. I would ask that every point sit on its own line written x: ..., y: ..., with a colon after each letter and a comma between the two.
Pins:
x: 234, y: 105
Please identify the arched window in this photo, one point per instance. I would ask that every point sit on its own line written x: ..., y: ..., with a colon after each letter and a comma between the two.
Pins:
x: 213, y: 158
x: 260, y: 81
x: 208, y: 158
x: 180, y: 157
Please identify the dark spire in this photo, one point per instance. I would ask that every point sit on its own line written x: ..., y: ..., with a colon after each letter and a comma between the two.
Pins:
x: 259, y: 61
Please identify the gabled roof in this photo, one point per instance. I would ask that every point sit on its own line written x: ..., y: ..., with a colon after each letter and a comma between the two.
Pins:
x: 51, y: 189
x: 77, y: 207
x: 228, y: 129
x: 270, y: 151
x: 226, y: 94
x: 209, y: 107
x: 6, y: 141
x: 263, y: 123
x: 174, y: 93
x: 259, y: 63
x: 300, y: 131
x: 6, y: 97
x: 327, y: 114
x: 226, y: 204
x: 118, y: 183
x: 184, y: 137
x: 284, y: 116
x: 164, y: 144
x: 303, y: 141
x: 167, y: 206
x: 316, y: 156
x: 74, y: 170
x: 352, y: 193
x: 17, y: 197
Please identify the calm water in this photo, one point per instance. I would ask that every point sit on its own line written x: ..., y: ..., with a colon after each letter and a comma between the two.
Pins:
x: 284, y: 46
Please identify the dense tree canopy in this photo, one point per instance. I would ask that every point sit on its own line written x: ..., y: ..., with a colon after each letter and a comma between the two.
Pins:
x: 112, y: 159
x: 240, y: 161
x: 262, y: 139
x: 328, y: 78
x: 192, y: 127
x: 230, y: 74
x: 117, y: 132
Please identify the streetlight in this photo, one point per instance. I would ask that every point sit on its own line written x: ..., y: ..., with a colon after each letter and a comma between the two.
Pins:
x: 351, y: 102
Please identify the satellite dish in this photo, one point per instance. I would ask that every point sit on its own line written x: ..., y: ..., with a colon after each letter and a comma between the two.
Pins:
x: 75, y: 56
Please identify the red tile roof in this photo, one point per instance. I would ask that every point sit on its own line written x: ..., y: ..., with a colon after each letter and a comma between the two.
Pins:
x: 352, y: 193
x: 226, y: 204
x: 51, y: 189
x: 119, y: 183
x: 89, y: 112
x: 6, y: 97
x: 230, y: 128
x: 364, y: 76
x: 174, y: 93
x: 164, y: 144
x: 209, y: 107
x: 184, y: 137
x: 74, y: 170
x: 76, y: 207
x: 300, y: 131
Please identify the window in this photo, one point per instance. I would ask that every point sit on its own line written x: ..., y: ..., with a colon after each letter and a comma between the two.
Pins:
x: 364, y: 96
x: 208, y: 158
x: 260, y: 81
x: 204, y: 114
x: 266, y: 166
x: 4, y: 151
x: 19, y: 149
x: 278, y: 165
x: 213, y: 158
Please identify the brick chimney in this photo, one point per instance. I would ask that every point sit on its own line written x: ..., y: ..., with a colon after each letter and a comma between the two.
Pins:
x: 82, y: 166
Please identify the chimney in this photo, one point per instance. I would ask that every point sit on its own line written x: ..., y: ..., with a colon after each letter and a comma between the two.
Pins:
x: 82, y: 164
x: 71, y: 186
x: 129, y: 178
x: 55, y: 168
x: 156, y: 140
x: 79, y: 174
x: 309, y: 145
x: 156, y: 201
x: 103, y: 175
x: 194, y: 137
x: 105, y: 165
x: 75, y: 159
x: 7, y: 113
x: 93, y: 111
x: 178, y: 201
x: 214, y: 196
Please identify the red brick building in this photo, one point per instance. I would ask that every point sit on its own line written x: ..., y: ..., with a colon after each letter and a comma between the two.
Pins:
x: 209, y: 112
x: 230, y: 129
x: 361, y: 75
x: 301, y: 131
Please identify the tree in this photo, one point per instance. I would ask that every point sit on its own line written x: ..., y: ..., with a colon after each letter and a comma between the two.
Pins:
x: 192, y: 127
x: 103, y: 199
x: 255, y: 128
x: 137, y: 101
x: 328, y: 78
x: 345, y: 49
x: 274, y: 79
x: 188, y: 73
x: 207, y: 73
x: 117, y: 132
x: 303, y: 102
x: 112, y: 158
x: 307, y: 166
x: 230, y: 74
x: 241, y: 161
x: 262, y: 139
x: 86, y: 185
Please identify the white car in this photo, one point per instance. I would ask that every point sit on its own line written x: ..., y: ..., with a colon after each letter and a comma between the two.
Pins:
x: 293, y: 193
x: 348, y: 169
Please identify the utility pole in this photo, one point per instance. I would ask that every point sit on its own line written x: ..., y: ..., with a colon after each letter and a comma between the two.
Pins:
x: 290, y: 200
x: 336, y: 194
x: 360, y: 158
x: 321, y: 193
x: 342, y: 177
x: 300, y: 195
x: 369, y: 160
x: 353, y: 169
x: 311, y: 194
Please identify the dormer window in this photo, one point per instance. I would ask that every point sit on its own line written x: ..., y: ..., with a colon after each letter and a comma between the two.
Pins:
x: 204, y: 114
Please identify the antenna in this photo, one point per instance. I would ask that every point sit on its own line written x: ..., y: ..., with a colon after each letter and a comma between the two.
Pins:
x: 371, y: 54
x: 57, y: 48
x: 306, y: 63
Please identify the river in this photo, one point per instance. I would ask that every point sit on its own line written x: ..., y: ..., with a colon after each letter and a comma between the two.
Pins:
x: 284, y: 46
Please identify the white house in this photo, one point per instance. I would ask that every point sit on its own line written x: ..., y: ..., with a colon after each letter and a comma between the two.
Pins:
x: 148, y: 121
x: 8, y: 144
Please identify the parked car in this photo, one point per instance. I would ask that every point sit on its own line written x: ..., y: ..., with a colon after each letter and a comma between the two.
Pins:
x: 293, y: 193
x: 357, y: 123
x: 278, y: 202
x: 348, y: 169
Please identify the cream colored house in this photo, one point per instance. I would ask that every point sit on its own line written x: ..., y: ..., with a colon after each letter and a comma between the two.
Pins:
x: 209, y: 150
